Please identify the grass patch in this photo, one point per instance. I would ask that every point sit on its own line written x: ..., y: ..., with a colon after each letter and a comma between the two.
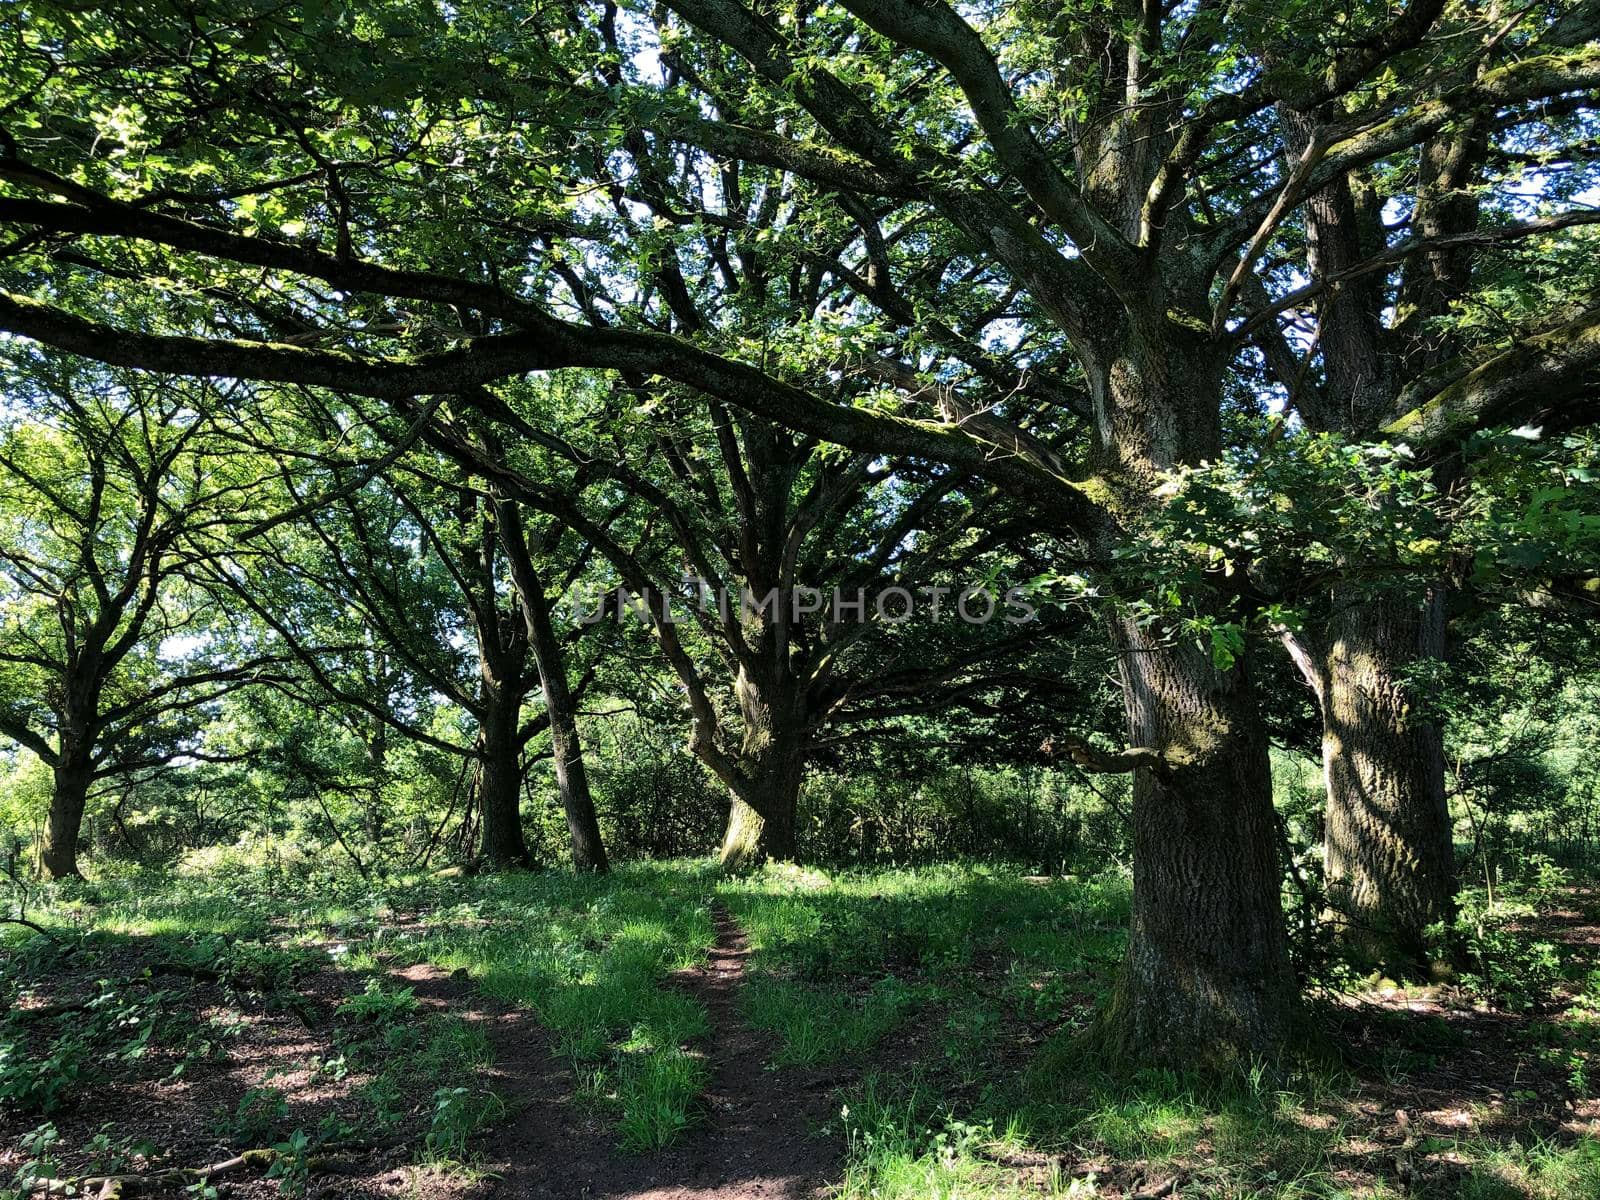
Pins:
x: 589, y: 955
x: 820, y: 1025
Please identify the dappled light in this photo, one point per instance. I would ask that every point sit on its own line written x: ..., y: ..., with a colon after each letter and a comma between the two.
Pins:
x: 885, y: 600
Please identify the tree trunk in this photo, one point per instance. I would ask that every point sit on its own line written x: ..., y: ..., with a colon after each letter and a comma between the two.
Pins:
x: 1206, y: 981
x: 572, y: 780
x: 768, y: 835
x: 501, y: 843
x: 377, y: 747
x: 762, y: 808
x: 1207, y: 969
x: 73, y: 776
x: 1390, y: 852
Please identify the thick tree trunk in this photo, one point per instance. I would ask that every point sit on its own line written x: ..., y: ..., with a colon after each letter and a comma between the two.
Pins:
x: 572, y: 779
x: 1206, y: 980
x: 762, y: 809
x: 1389, y: 853
x: 501, y: 843
x: 1207, y: 969
x: 768, y: 835
x: 73, y: 776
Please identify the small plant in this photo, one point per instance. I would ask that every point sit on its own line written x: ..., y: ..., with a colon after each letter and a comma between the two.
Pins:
x: 384, y: 1093
x: 379, y: 1005
x: 291, y: 1164
x: 261, y: 1111
x: 40, y: 1163
x: 40, y: 1085
x: 336, y: 1068
x: 1506, y: 965
x: 458, y: 1113
x: 110, y: 1155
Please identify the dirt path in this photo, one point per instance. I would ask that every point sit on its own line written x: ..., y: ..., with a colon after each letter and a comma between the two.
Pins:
x: 753, y: 1140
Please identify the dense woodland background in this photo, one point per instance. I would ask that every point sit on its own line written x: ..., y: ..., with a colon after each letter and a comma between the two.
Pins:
x: 349, y: 352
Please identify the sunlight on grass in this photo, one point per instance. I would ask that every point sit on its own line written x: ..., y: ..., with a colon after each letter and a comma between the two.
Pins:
x: 968, y: 986
x: 589, y: 956
x: 817, y: 1025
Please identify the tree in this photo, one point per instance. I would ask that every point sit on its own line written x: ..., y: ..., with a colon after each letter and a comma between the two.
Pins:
x: 791, y: 550
x: 1386, y: 300
x: 1082, y: 186
x: 373, y: 575
x: 120, y: 489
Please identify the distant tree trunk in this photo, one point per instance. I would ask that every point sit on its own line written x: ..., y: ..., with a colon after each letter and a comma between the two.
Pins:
x: 1389, y: 850
x: 1207, y: 968
x: 762, y: 809
x: 572, y: 779
x: 501, y: 842
x: 754, y: 837
x: 377, y: 747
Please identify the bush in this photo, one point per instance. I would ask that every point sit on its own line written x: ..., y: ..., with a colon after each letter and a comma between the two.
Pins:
x: 1505, y: 963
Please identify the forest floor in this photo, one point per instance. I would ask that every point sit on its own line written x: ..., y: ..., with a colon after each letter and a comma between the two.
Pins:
x: 669, y: 1034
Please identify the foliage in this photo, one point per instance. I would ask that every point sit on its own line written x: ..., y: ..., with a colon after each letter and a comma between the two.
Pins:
x: 342, y: 346
x: 379, y: 1005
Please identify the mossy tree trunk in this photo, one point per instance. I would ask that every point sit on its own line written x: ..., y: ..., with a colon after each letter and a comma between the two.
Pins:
x: 767, y: 834
x: 763, y: 803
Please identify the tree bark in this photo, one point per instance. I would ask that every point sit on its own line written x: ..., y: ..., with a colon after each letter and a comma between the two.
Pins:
x: 766, y: 835
x: 501, y: 844
x: 763, y: 804
x: 572, y: 779
x: 1390, y: 849
x: 68, y: 799
x: 1207, y: 968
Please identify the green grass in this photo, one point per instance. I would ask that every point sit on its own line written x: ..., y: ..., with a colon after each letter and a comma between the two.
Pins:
x: 1541, y: 1169
x: 589, y: 956
x: 986, y: 962
x: 817, y: 1025
x: 967, y: 986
